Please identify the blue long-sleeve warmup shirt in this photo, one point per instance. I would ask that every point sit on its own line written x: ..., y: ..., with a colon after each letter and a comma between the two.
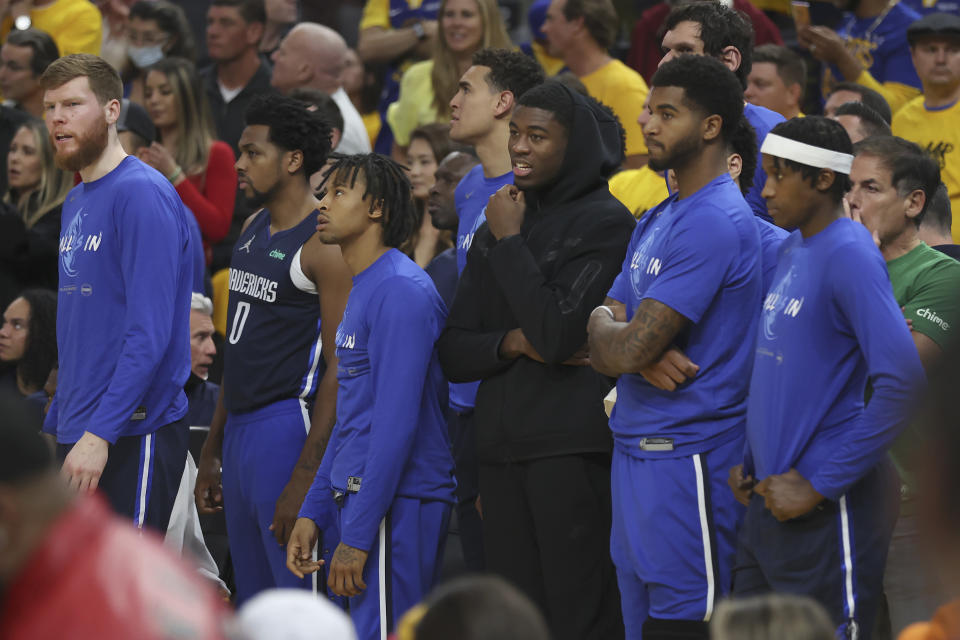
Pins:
x: 123, y: 308
x: 391, y: 432
x: 829, y: 323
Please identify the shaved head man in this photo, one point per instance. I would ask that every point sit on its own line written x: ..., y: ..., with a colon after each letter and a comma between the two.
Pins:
x: 313, y: 56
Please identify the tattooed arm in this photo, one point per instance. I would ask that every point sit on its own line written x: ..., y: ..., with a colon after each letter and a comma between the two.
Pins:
x: 628, y: 347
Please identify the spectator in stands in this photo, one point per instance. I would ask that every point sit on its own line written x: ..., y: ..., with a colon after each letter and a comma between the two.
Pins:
x: 845, y: 92
x: 936, y: 224
x: 28, y: 340
x: 429, y: 145
x: 869, y: 48
x: 186, y: 151
x: 30, y: 231
x: 396, y: 33
x: 11, y: 120
x: 893, y: 182
x: 363, y: 83
x: 466, y: 26
x: 75, y: 25
x: 780, y: 616
x: 68, y: 563
x: 645, y: 40
x: 478, y: 608
x: 23, y: 59
x: 776, y: 80
x: 550, y: 248
x: 281, y: 16
x: 860, y: 121
x: 538, y: 47
x: 156, y: 30
x: 938, y: 512
x: 933, y: 119
x: 201, y: 393
x: 709, y: 28
x: 582, y: 32
x: 113, y: 48
x: 312, y: 56
x: 238, y: 72
x: 442, y: 209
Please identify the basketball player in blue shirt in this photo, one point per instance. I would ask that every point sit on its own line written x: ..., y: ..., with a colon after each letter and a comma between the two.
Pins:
x: 691, y: 279
x: 123, y: 311
x: 386, y: 482
x: 287, y: 293
x: 819, y: 520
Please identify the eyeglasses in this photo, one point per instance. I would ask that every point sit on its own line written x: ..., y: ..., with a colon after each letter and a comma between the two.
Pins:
x: 146, y: 38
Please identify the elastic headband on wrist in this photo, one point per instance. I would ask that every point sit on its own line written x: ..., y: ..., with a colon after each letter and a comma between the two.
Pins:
x: 807, y: 154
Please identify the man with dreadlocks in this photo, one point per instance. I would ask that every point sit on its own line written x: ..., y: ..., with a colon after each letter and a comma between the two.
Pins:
x: 279, y: 357
x: 386, y: 483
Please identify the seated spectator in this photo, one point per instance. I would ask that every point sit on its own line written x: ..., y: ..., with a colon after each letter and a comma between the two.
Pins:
x: 476, y: 608
x: 396, y: 33
x: 30, y: 231
x: 780, y: 616
x: 860, y: 121
x: 238, y: 72
x: 111, y: 580
x: 933, y: 119
x: 186, y: 152
x: 11, y: 119
x: 157, y: 29
x: 75, y: 25
x: 776, y: 80
x: 23, y: 59
x: 113, y: 49
x: 645, y: 51
x: 312, y: 56
x: 466, y: 26
x: 363, y: 85
x: 845, y: 92
x: 429, y: 145
x: 869, y: 48
x: 938, y: 510
x: 28, y: 340
x: 936, y: 224
x: 292, y: 614
x: 538, y: 47
x: 582, y: 32
x: 281, y: 16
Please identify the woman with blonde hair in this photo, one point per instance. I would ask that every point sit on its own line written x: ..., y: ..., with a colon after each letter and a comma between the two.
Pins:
x: 30, y: 226
x: 465, y: 27
x: 187, y: 153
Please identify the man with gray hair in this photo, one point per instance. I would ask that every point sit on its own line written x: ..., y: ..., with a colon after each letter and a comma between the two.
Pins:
x: 313, y: 56
x: 201, y: 394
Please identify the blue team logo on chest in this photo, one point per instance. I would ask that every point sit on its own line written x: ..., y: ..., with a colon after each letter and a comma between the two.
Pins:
x: 780, y: 303
x: 74, y: 241
x: 645, y: 263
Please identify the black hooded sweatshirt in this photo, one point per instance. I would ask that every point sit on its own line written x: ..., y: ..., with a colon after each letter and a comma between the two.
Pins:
x: 546, y: 281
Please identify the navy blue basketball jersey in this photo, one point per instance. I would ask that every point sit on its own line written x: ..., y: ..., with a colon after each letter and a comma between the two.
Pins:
x: 272, y: 351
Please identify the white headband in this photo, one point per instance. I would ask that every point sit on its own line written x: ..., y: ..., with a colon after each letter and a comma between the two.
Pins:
x: 807, y: 154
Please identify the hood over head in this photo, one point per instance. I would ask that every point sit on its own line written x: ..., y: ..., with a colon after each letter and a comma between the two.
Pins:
x: 595, y: 143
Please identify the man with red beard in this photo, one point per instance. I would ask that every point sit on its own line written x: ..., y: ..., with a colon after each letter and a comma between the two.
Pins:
x: 123, y: 316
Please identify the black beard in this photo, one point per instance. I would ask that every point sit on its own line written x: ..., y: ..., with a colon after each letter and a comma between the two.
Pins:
x: 260, y: 198
x: 685, y: 149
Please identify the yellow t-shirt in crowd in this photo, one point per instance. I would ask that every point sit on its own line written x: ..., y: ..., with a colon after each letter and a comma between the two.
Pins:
x: 376, y: 13
x: 623, y: 90
x: 75, y: 25
x: 938, y: 132
x: 551, y: 65
x: 639, y: 189
x: 414, y: 106
x: 372, y: 123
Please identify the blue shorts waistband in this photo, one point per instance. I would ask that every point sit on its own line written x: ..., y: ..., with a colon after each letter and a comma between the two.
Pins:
x: 271, y: 410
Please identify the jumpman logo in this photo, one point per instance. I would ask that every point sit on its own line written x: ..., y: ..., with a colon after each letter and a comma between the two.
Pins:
x: 246, y: 247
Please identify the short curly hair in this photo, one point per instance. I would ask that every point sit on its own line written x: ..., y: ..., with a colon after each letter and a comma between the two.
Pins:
x: 708, y: 85
x: 512, y: 71
x: 292, y: 128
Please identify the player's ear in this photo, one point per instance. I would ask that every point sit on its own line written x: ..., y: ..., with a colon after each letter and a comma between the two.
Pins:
x: 825, y: 179
x: 111, y: 111
x: 914, y: 203
x: 294, y: 161
x: 712, y: 126
x: 376, y: 211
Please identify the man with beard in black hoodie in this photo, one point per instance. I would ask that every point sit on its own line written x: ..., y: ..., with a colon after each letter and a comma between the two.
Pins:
x: 552, y: 244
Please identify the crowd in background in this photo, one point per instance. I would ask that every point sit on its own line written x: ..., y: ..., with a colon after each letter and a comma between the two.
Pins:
x: 398, y: 78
